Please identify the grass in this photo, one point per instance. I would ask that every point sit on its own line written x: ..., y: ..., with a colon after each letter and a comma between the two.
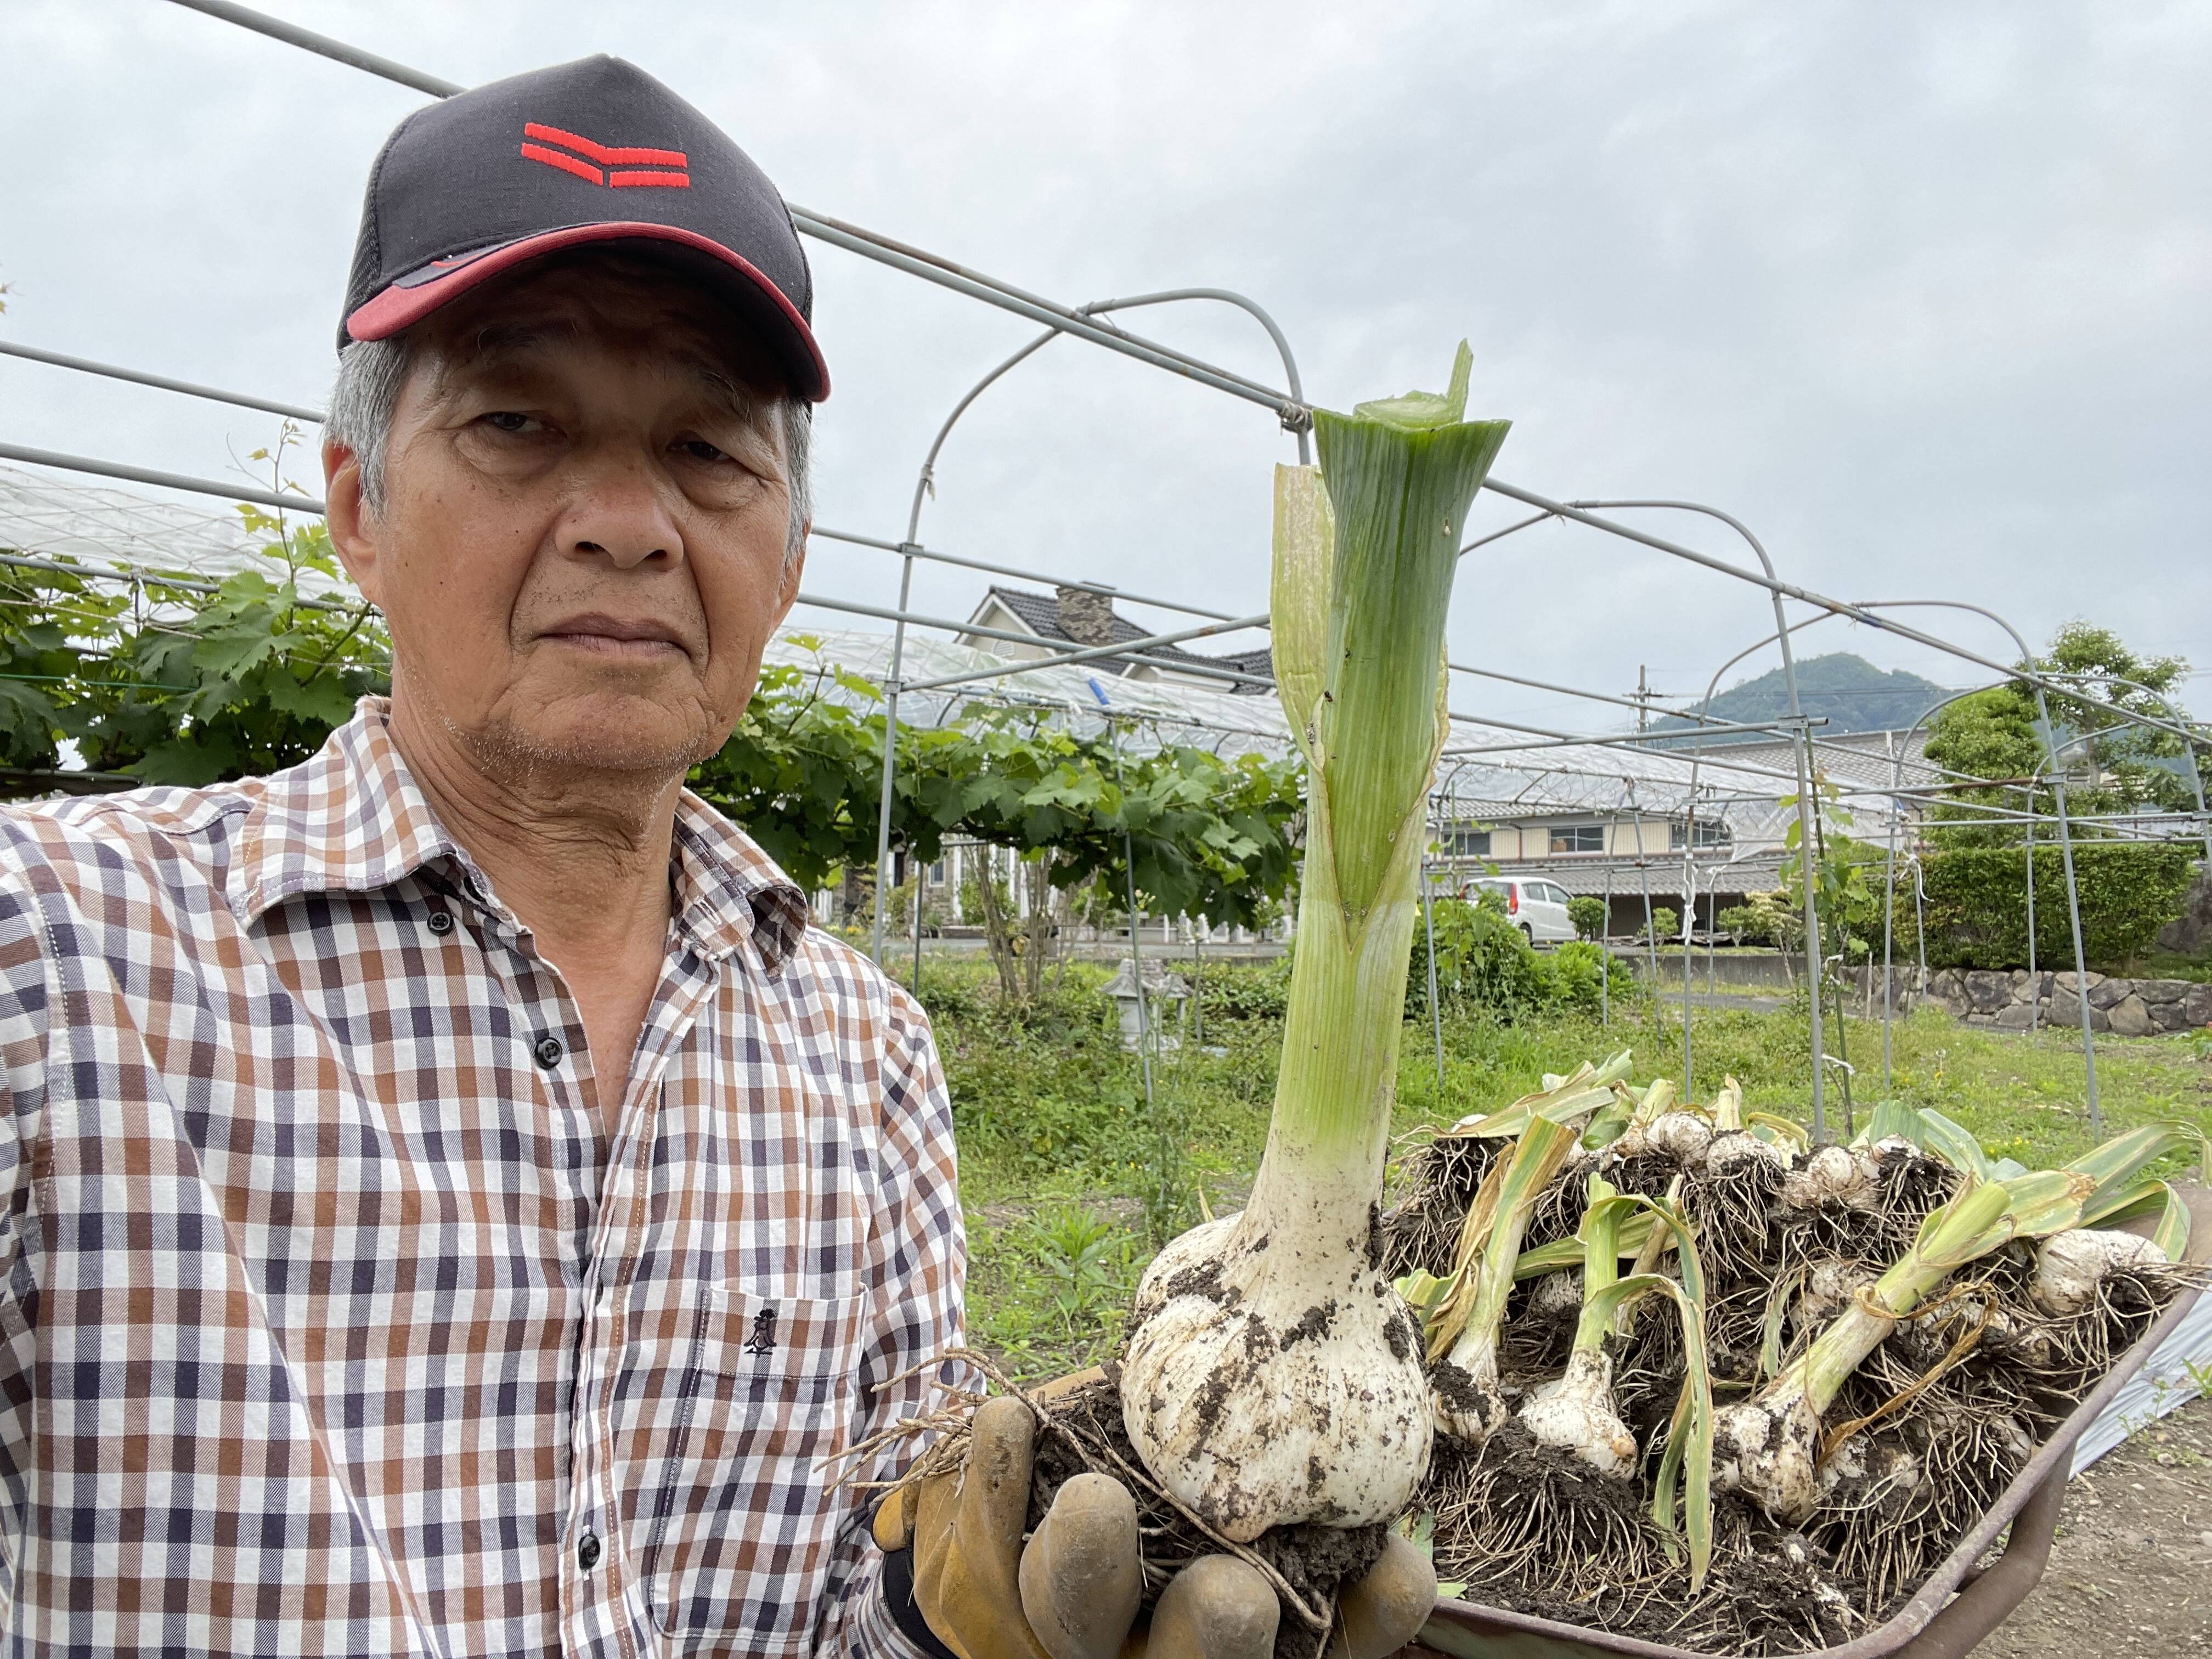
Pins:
x: 2167, y: 965
x: 1062, y: 1169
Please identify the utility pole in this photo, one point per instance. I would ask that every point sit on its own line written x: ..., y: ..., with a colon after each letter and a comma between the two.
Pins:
x: 1643, y: 697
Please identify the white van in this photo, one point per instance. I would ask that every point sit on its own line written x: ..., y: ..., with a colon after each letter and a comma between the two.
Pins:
x: 1538, y: 908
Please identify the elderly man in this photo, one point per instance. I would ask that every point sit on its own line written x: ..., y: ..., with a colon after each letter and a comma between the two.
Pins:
x: 455, y: 1205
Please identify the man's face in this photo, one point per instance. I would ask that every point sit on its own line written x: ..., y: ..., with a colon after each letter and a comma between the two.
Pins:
x: 582, y: 550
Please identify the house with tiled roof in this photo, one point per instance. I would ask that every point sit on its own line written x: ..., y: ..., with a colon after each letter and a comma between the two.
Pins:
x: 1071, y: 618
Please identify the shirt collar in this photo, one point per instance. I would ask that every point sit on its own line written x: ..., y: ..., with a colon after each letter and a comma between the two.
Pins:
x: 352, y: 818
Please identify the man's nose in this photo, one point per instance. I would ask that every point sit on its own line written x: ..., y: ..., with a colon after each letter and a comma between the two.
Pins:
x: 621, y: 515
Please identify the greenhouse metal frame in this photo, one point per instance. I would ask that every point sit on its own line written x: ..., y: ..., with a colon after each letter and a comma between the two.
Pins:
x: 1598, y: 763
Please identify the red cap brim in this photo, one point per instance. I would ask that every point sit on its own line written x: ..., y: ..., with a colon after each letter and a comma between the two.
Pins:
x: 409, y: 300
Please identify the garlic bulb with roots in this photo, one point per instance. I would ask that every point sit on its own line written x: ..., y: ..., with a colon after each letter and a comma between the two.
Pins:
x: 1683, y: 1136
x: 1275, y: 1378
x: 1738, y: 1148
x: 1575, y: 1412
x: 1273, y: 1374
x: 1833, y: 1174
x: 1767, y: 1447
x: 1831, y: 1283
x: 1555, y: 1297
x: 2071, y: 1267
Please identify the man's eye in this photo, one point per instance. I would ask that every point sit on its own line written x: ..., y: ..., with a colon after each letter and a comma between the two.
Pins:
x: 700, y: 450
x: 506, y: 420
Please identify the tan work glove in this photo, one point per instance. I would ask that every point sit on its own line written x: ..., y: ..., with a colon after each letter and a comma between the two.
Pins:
x: 1072, y: 1592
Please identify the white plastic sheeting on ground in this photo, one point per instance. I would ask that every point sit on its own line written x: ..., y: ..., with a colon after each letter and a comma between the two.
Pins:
x: 2170, y: 1379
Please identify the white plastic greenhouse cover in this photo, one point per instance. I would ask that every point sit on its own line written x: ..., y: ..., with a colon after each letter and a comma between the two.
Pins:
x: 54, y: 518
x: 1575, y: 778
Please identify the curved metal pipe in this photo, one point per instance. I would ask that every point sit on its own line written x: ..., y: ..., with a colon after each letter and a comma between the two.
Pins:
x: 2034, y: 676
x: 1297, y: 423
x: 1690, y: 849
x: 2188, y: 747
x: 1801, y: 751
x: 926, y: 481
x: 1295, y: 419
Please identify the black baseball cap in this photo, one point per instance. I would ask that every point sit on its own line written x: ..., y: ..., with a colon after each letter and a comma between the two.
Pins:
x: 592, y: 151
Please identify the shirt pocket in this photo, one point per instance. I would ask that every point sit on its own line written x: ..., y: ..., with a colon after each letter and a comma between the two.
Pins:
x: 740, y: 1536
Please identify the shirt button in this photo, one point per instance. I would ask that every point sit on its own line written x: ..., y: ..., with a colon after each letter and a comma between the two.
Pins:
x: 441, y: 923
x: 549, y: 1051
x: 588, y: 1552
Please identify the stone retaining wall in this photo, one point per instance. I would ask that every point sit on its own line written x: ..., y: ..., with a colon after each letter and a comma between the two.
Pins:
x: 2126, y: 1007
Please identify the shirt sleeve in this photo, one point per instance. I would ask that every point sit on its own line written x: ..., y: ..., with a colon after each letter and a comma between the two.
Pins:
x: 917, y: 1272
x: 25, y: 1019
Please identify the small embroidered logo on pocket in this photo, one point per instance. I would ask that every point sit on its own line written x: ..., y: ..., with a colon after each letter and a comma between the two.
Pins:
x: 762, y: 1342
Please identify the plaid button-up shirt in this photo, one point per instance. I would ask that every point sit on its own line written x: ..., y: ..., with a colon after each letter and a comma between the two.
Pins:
x: 334, y: 1322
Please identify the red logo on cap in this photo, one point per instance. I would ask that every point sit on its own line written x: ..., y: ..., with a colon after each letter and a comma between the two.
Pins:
x: 664, y: 169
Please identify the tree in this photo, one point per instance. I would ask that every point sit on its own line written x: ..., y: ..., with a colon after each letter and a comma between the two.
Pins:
x: 1987, y: 734
x: 1207, y: 835
x: 2127, y: 756
x: 1587, y: 912
x: 1993, y: 734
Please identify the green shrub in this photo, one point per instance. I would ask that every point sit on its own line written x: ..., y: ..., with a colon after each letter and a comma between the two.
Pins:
x: 1587, y: 912
x: 1578, y: 971
x: 950, y: 994
x: 1039, y: 1084
x: 1482, y: 958
x: 1977, y: 903
x: 1748, y: 924
x: 1665, y: 924
x: 1241, y: 990
x: 1484, y: 962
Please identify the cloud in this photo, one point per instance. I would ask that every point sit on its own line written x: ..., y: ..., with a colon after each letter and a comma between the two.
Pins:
x: 1916, y: 292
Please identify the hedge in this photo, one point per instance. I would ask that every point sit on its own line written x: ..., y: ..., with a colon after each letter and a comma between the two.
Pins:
x: 1977, y: 903
x: 1485, y: 961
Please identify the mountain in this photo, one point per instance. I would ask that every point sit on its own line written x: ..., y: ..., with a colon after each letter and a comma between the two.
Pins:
x: 1855, y: 695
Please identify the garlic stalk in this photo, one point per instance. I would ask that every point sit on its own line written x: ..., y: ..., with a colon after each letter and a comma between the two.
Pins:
x: 1272, y: 1376
x: 1576, y: 1412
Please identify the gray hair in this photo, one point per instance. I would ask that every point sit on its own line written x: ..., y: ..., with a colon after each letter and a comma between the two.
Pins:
x: 371, y: 374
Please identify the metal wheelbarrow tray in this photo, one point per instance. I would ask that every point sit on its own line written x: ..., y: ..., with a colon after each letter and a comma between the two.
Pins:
x: 1946, y: 1618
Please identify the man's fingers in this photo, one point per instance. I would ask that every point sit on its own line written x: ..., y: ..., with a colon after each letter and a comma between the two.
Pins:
x: 939, y: 1582
x: 994, y: 1491
x: 968, y: 1540
x: 1386, y: 1608
x: 1082, y: 1577
x: 1217, y: 1607
x: 893, y: 1521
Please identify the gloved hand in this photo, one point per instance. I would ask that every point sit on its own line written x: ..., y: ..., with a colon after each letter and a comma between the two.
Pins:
x: 1072, y: 1592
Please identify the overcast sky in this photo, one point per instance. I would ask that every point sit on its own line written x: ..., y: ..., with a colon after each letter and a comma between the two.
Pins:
x: 1918, y: 292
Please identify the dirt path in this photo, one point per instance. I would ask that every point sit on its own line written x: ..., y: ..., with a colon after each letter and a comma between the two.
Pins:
x: 2131, y: 1571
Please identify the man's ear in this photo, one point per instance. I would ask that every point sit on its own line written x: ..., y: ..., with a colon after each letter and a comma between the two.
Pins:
x: 353, y: 527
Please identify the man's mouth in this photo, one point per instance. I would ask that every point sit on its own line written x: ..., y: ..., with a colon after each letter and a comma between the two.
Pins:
x: 623, y: 638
